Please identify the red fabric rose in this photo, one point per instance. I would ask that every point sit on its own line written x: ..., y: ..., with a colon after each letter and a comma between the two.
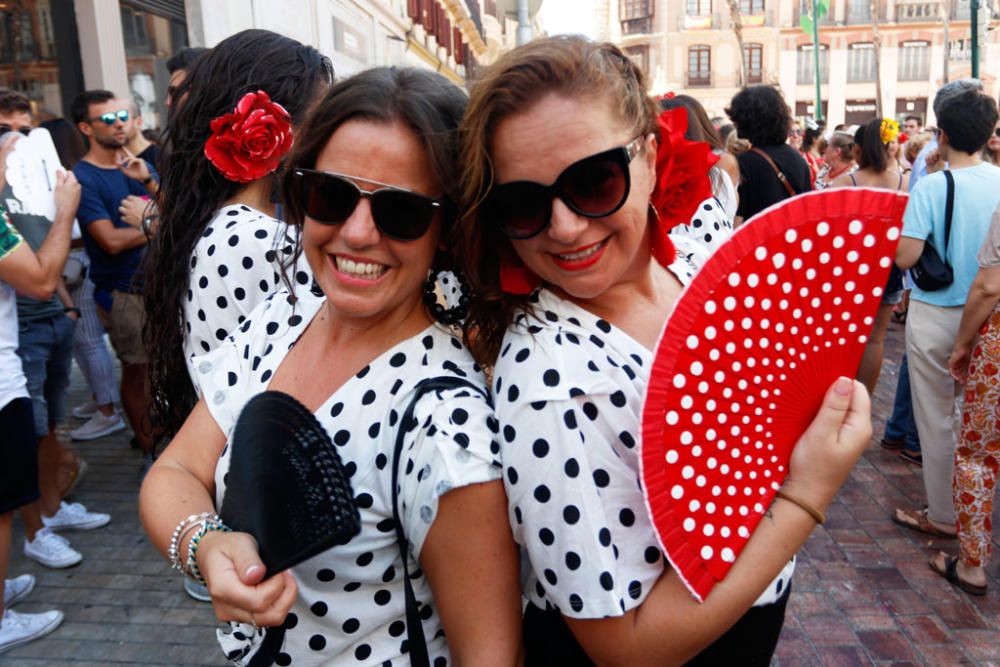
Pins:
x: 250, y: 142
x: 682, y: 167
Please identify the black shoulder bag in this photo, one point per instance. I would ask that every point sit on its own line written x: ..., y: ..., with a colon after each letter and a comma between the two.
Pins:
x: 931, y: 272
x: 416, y: 641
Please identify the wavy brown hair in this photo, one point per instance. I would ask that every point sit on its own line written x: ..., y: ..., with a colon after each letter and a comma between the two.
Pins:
x: 568, y: 66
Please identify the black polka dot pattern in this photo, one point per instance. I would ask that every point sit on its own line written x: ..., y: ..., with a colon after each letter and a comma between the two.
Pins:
x: 229, y: 278
x: 569, y: 397
x: 351, y: 603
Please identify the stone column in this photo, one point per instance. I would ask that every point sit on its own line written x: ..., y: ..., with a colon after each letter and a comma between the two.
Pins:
x: 102, y: 46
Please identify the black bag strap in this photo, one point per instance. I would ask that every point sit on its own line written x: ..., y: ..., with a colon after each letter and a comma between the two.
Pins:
x: 416, y: 641
x: 948, y: 208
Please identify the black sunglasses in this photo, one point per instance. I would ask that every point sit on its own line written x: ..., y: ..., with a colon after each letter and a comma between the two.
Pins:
x: 330, y: 199
x: 4, y: 129
x: 997, y: 131
x: 111, y: 117
x: 593, y: 187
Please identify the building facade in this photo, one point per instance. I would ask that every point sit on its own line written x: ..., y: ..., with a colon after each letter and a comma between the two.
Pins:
x: 690, y: 46
x: 54, y: 49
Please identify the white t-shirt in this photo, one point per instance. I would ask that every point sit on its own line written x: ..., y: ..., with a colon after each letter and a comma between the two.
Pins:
x: 12, y: 382
x: 235, y: 264
x: 360, y: 583
x: 569, y: 390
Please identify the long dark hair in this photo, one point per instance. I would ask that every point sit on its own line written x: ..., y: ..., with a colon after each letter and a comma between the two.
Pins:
x: 873, y: 154
x: 192, y: 190
x: 67, y: 139
x: 424, y: 101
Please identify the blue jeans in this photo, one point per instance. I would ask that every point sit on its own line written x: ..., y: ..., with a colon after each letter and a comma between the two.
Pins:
x: 901, y: 425
x: 46, y: 351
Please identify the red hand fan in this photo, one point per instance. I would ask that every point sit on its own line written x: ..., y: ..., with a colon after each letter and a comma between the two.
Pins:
x: 779, y: 312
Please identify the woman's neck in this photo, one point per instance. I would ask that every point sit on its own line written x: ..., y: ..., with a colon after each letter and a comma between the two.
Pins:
x: 380, y: 332
x: 256, y: 195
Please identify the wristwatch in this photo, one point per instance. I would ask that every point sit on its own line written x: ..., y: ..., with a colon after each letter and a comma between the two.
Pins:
x: 147, y: 224
x: 72, y: 309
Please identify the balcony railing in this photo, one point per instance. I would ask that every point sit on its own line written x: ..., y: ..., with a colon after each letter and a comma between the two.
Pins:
x: 698, y: 79
x: 918, y: 11
x: 700, y: 22
x: 640, y: 26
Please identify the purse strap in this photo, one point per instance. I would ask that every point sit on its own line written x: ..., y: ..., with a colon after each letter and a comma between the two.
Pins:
x: 416, y: 641
x: 949, y: 206
x: 781, y: 176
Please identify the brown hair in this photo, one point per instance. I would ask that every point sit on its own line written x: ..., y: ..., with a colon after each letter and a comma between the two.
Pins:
x: 570, y: 66
x: 12, y: 101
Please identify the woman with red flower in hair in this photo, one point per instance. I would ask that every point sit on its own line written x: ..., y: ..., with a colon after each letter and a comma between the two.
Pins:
x: 220, y: 243
x: 579, y: 232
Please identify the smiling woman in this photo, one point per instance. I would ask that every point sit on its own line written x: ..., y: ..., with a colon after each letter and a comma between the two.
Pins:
x: 368, y: 183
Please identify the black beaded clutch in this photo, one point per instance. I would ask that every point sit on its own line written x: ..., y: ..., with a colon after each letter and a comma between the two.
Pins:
x: 286, y: 484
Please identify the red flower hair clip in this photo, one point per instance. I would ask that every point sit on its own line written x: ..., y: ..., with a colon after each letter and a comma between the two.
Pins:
x: 682, y: 171
x: 250, y: 142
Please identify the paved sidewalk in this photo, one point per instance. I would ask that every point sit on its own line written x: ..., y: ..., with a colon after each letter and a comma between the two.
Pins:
x: 863, y: 594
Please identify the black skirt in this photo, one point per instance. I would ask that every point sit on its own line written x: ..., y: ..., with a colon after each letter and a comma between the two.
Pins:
x: 548, y: 641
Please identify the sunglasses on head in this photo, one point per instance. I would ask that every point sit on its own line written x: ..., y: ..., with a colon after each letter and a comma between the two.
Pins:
x: 330, y: 199
x: 594, y: 187
x: 4, y: 129
x: 111, y: 117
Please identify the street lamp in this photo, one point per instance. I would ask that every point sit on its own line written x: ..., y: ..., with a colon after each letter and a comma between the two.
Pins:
x: 524, y: 9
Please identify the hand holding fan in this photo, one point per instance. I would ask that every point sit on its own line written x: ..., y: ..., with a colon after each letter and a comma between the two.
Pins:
x: 777, y: 314
x: 286, y: 484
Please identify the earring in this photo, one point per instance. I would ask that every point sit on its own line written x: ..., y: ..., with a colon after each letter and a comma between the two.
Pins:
x: 517, y: 279
x: 662, y: 247
x: 456, y: 297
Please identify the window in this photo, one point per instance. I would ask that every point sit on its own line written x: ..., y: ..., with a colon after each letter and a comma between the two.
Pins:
x: 639, y: 55
x: 699, y: 65
x: 914, y: 61
x: 861, y: 62
x: 634, y: 9
x: 750, y: 7
x: 699, y: 7
x: 804, y: 66
x: 859, y: 11
x: 753, y: 58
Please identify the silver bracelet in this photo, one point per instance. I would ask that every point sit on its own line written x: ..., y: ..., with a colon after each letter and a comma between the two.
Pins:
x: 173, y: 552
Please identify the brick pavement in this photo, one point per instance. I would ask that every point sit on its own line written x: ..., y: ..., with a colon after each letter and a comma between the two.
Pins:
x: 863, y: 594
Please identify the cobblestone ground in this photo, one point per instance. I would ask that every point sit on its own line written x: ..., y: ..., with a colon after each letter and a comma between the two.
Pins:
x: 863, y: 593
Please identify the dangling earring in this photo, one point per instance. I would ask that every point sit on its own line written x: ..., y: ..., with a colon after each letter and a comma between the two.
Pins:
x: 517, y: 279
x: 456, y: 296
x: 661, y: 246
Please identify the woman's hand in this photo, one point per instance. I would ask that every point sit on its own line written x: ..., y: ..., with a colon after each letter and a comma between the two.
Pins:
x: 958, y: 362
x: 826, y: 452
x: 234, y: 572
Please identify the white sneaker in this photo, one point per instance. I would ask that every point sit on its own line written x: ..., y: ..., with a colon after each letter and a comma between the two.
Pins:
x: 75, y: 516
x: 51, y: 550
x: 17, y: 629
x: 16, y: 589
x: 99, y: 426
x: 196, y: 591
x: 85, y: 410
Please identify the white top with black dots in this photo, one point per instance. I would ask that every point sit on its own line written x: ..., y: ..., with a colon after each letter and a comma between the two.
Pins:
x: 350, y: 607
x: 235, y: 264
x: 569, y: 390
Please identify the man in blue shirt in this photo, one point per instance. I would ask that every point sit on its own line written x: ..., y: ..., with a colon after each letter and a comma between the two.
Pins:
x: 109, y: 173
x: 965, y: 123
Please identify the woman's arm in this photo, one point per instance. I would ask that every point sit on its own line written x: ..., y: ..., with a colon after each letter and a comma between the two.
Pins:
x: 472, y: 563
x: 670, y: 627
x: 181, y: 483
x: 983, y: 297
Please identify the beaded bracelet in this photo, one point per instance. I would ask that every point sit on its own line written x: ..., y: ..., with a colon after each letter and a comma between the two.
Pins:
x: 192, y: 560
x: 173, y: 552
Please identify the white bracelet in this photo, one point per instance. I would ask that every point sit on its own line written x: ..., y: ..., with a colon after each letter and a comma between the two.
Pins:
x: 173, y: 552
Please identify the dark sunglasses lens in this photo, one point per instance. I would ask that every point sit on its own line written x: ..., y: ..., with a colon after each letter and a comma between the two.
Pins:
x: 327, y: 199
x: 997, y: 132
x: 123, y: 116
x: 596, y: 186
x: 401, y: 215
x: 519, y: 210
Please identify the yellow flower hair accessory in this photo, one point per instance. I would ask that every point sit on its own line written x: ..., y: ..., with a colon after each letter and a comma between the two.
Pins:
x: 888, y: 131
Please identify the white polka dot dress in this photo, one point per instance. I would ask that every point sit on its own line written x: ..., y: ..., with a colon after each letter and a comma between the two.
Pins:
x: 235, y: 264
x: 350, y: 608
x: 569, y: 390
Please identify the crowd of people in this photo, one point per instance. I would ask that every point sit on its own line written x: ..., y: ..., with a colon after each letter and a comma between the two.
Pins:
x: 344, y: 241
